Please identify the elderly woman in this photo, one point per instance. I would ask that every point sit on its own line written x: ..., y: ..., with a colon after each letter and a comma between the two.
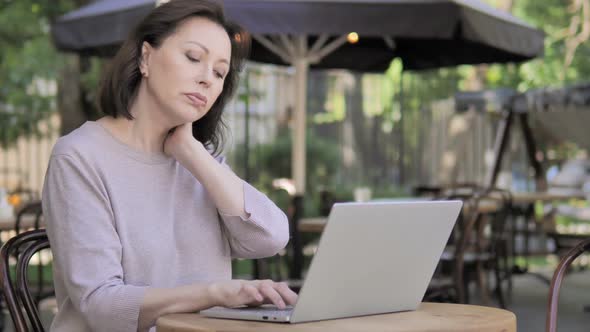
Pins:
x: 142, y: 214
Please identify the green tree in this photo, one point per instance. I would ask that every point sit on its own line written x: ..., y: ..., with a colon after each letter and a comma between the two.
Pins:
x: 562, y: 63
x: 29, y: 65
x: 35, y: 79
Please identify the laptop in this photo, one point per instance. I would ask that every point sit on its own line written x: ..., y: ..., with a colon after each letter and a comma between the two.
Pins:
x: 372, y: 258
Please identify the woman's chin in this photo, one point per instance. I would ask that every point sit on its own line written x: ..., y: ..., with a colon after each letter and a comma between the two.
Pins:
x: 194, y: 114
x: 181, y: 119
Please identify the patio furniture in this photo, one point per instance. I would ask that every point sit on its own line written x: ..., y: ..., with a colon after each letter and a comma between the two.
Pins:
x: 30, y: 217
x: 526, y: 226
x: 552, y: 305
x: 479, y: 243
x: 32, y: 210
x: 451, y: 279
x: 428, y: 317
x: 23, y: 309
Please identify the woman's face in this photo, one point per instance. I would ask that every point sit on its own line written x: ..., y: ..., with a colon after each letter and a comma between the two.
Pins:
x: 185, y: 75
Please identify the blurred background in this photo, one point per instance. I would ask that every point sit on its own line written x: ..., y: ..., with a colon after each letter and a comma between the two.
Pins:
x: 363, y: 129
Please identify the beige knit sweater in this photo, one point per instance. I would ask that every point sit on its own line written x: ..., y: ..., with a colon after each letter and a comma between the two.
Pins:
x: 120, y: 220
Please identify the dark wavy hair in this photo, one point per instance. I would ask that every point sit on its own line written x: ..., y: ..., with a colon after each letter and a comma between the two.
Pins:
x: 121, y: 81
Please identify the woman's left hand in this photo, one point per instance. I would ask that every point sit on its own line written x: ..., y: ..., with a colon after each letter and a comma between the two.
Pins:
x: 179, y: 141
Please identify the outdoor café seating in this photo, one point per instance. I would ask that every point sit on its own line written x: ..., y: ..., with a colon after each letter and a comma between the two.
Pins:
x: 23, y: 307
x: 322, y: 102
x: 478, y: 247
x: 560, y: 271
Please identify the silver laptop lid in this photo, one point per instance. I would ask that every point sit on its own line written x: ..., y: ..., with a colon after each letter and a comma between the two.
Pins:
x: 375, y: 258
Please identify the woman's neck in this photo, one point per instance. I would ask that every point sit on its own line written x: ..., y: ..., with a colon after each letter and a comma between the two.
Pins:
x: 146, y: 132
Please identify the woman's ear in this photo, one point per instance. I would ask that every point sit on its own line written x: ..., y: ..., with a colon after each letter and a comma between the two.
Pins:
x: 146, y: 50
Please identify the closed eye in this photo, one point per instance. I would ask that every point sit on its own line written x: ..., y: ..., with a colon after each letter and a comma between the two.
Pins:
x: 219, y: 75
x: 191, y: 59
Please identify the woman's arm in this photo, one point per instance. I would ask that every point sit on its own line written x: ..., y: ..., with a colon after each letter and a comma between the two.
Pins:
x: 160, y: 301
x: 87, y: 251
x: 255, y: 226
x: 224, y: 186
x: 231, y: 293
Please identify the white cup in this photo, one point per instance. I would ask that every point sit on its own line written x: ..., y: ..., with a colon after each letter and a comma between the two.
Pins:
x: 362, y: 194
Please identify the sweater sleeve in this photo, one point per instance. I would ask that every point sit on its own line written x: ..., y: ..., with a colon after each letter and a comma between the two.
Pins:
x: 86, y: 248
x: 264, y: 229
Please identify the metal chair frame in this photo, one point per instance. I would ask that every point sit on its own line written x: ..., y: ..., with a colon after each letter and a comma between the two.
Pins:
x: 564, y: 264
x: 21, y: 305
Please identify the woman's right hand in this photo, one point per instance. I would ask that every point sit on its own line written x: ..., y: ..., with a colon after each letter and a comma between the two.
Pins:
x: 234, y: 293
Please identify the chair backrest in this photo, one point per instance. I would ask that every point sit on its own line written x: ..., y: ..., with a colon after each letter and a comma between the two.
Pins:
x: 469, y: 230
x: 458, y: 239
x: 19, y: 301
x: 566, y: 261
x: 500, y: 217
x: 33, y: 208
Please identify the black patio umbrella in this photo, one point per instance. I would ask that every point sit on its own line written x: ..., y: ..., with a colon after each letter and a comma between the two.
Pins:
x: 423, y: 33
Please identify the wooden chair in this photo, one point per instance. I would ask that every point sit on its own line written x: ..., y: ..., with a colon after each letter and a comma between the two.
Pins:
x: 33, y: 209
x: 479, y: 243
x: 489, y: 248
x: 448, y: 283
x: 501, y: 243
x: 566, y: 261
x: 21, y: 305
x: 462, y: 254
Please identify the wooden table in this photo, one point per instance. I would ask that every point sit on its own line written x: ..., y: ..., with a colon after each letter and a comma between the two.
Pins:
x: 429, y: 317
x: 27, y: 221
x: 312, y: 225
x: 317, y: 225
x: 523, y: 208
x: 532, y: 197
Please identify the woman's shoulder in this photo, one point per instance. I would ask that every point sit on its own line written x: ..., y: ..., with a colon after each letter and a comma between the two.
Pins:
x: 78, y: 143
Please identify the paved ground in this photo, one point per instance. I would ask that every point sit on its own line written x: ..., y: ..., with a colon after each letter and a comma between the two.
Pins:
x: 529, y: 302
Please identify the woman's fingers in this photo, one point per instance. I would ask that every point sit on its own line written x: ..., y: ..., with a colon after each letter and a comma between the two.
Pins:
x: 279, y: 293
x: 267, y: 288
x: 257, y: 292
x: 253, y: 293
x: 288, y: 295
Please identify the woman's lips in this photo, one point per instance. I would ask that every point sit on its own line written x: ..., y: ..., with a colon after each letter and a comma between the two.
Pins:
x: 196, y: 100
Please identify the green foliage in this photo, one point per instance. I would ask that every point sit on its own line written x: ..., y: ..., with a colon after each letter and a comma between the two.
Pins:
x: 273, y: 160
x: 29, y: 65
x: 553, y: 17
x: 335, y: 104
x: 419, y: 88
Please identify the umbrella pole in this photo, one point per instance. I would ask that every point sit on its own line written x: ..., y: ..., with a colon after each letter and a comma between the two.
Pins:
x: 247, y: 126
x: 401, y: 130
x: 298, y: 154
x: 301, y: 63
x: 257, y: 263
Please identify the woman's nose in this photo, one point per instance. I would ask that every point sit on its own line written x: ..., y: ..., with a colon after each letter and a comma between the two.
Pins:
x: 204, y: 76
